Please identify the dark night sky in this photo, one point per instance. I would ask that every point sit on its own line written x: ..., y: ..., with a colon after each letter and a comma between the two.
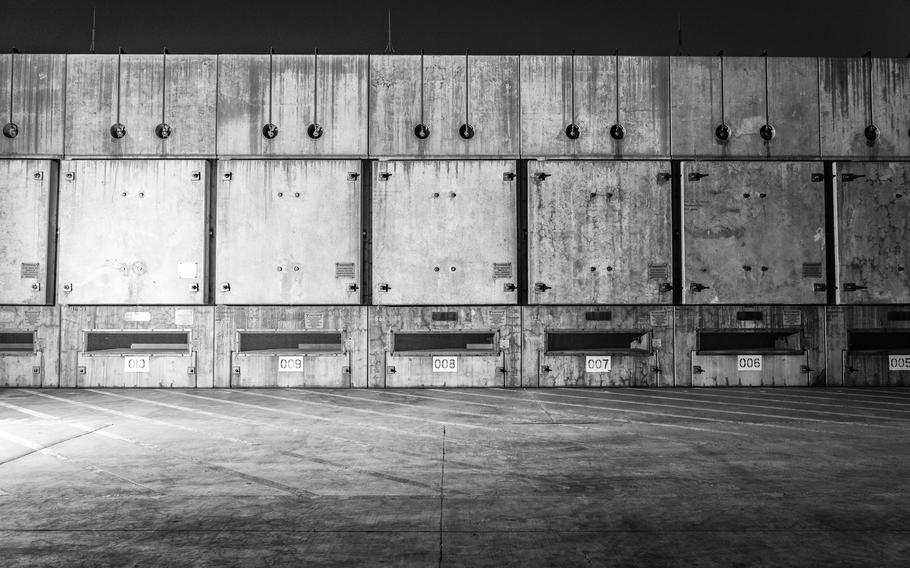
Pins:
x: 645, y: 27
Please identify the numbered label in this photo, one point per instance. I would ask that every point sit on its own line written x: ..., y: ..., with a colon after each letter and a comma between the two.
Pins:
x: 445, y: 364
x: 136, y: 364
x: 899, y: 362
x: 748, y: 362
x: 290, y: 363
x: 598, y: 364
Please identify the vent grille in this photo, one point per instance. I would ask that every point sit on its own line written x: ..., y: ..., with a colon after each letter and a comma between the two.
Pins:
x: 749, y: 316
x: 598, y: 316
x: 812, y: 270
x: 344, y: 270
x: 445, y: 316
x: 659, y: 271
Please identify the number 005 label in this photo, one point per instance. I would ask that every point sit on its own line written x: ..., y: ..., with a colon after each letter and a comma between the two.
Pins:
x: 445, y: 364
x: 748, y: 362
x: 598, y: 364
x: 290, y: 363
x: 899, y: 362
x: 136, y: 364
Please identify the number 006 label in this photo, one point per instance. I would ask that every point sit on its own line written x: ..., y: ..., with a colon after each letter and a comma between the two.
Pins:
x: 598, y: 364
x: 290, y: 363
x: 748, y: 362
x: 899, y: 362
x: 136, y: 364
x: 445, y: 364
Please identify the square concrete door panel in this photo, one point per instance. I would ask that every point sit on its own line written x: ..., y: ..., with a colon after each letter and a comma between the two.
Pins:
x: 865, y: 108
x: 444, y: 232
x: 31, y: 104
x: 559, y: 91
x: 132, y: 232
x: 444, y: 93
x: 868, y: 345
x: 745, y: 94
x: 873, y: 228
x: 600, y: 232
x: 318, y: 105
x: 29, y: 346
x: 753, y: 233
x: 27, y: 196
x: 166, y: 104
x: 288, y: 232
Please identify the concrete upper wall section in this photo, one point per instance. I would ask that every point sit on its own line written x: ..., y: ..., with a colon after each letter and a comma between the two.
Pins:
x: 474, y: 106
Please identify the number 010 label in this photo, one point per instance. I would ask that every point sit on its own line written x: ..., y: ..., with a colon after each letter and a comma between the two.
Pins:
x: 136, y: 364
x: 598, y: 364
x: 445, y: 364
x: 290, y: 363
x: 899, y: 362
x: 748, y: 362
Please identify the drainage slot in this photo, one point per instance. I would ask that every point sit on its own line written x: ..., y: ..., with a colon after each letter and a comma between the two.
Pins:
x: 772, y: 341
x: 137, y: 342
x: 634, y: 342
x: 878, y: 340
x: 17, y: 342
x: 436, y: 343
x: 262, y: 342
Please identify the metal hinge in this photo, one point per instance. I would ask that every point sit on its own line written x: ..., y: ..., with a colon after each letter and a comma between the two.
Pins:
x: 696, y: 176
x: 508, y: 176
x: 541, y: 287
x: 384, y: 176
x: 664, y: 176
x: 817, y: 177
x: 696, y: 287
x: 69, y: 176
x: 353, y: 176
x: 541, y: 176
x: 697, y: 369
x: 196, y: 176
x: 385, y: 287
x: 665, y: 287
x: 38, y: 176
x: 819, y: 287
x: 225, y: 287
x: 509, y: 287
x: 851, y: 177
x: 851, y: 287
x: 227, y: 176
x: 353, y: 287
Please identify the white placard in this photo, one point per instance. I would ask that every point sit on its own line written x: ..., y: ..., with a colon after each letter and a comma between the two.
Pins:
x: 899, y: 362
x: 748, y: 362
x: 598, y: 364
x: 137, y: 316
x: 445, y: 364
x: 134, y: 364
x: 290, y: 363
x: 186, y: 270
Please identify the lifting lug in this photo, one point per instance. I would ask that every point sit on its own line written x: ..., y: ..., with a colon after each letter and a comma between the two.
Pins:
x: 541, y: 176
x: 696, y: 176
x: 541, y: 287
x: 696, y: 287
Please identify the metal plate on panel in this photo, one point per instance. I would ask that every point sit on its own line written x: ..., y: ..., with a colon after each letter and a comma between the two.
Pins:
x: 30, y: 270
x: 314, y: 320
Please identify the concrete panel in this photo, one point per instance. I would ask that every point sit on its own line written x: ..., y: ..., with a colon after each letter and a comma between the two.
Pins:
x: 487, y: 97
x: 28, y: 190
x: 301, y: 346
x: 29, y: 346
x: 873, y: 224
x: 745, y: 103
x: 444, y: 232
x: 485, y: 343
x: 288, y: 232
x: 719, y: 346
x: 31, y: 98
x: 753, y: 232
x: 868, y: 345
x: 565, y: 346
x: 849, y: 105
x: 137, y: 346
x: 178, y: 90
x: 331, y: 91
x: 600, y: 232
x: 133, y: 232
x: 547, y: 90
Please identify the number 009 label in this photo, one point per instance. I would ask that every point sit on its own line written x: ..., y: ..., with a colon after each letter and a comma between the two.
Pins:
x: 136, y: 364
x: 899, y: 362
x: 445, y: 364
x: 290, y: 363
x: 748, y: 362
x: 598, y: 364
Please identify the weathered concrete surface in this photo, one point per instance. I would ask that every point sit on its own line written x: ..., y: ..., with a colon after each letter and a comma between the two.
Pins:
x: 528, y: 478
x: 182, y: 96
x: 868, y: 365
x: 38, y: 84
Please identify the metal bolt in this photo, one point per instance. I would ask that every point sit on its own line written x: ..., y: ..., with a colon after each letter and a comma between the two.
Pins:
x: 435, y: 269
x: 123, y: 194
x: 609, y: 269
x: 280, y: 269
x: 141, y: 195
x: 280, y: 194
x: 453, y: 269
x: 296, y: 269
x: 764, y: 269
x: 453, y: 194
x: 296, y: 194
x: 593, y: 269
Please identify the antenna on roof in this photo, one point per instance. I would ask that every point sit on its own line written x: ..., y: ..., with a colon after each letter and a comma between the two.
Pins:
x: 91, y: 48
x: 388, y: 45
x: 680, y: 48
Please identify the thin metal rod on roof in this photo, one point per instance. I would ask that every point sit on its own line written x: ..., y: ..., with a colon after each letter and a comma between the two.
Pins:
x: 91, y: 48
x: 680, y: 48
x: 388, y: 45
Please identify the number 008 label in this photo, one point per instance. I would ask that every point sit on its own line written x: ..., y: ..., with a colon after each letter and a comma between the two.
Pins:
x: 598, y: 364
x: 899, y: 362
x: 748, y: 362
x: 290, y: 363
x: 445, y: 364
x: 136, y: 364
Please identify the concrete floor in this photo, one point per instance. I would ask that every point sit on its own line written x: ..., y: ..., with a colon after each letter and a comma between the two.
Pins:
x: 760, y: 477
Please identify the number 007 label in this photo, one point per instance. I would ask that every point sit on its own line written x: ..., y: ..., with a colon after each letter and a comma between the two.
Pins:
x: 748, y: 362
x: 136, y: 364
x: 290, y: 363
x: 598, y: 364
x: 899, y: 362
x: 445, y: 364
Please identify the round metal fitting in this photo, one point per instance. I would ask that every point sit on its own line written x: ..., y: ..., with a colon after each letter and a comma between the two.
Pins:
x: 315, y: 131
x: 118, y: 131
x: 872, y: 133
x: 422, y: 131
x: 767, y: 132
x: 722, y: 132
x: 269, y: 131
x: 11, y: 130
x: 163, y: 131
x: 572, y: 131
x: 617, y: 132
x: 466, y: 131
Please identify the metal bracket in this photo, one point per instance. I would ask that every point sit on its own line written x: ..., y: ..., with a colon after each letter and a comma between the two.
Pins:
x: 353, y: 176
x: 508, y: 176
x: 696, y: 287
x: 81, y: 370
x: 509, y: 287
x: 697, y: 369
x: 819, y: 287
x: 38, y: 176
x: 806, y: 369
x: 36, y: 370
x: 353, y: 287
x: 36, y: 286
x: 850, y: 177
x: 196, y: 176
x: 191, y: 370
x: 664, y: 176
x: 696, y: 176
x: 227, y: 176
x: 194, y: 287
x: 541, y: 287
x: 851, y: 287
x: 225, y: 287
x: 545, y: 368
x: 67, y: 288
x: 541, y: 176
x: 70, y: 176
x: 384, y: 287
x: 345, y: 371
x: 665, y: 287
x: 235, y: 370
x: 816, y: 177
x: 384, y: 176
x: 390, y: 370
